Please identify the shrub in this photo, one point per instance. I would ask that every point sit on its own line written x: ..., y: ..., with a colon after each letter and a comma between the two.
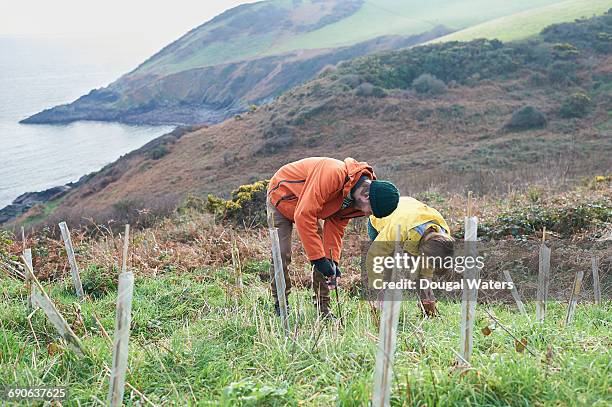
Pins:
x: 576, y: 105
x: 158, y: 152
x: 247, y: 207
x: 565, y: 51
x: 429, y: 84
x: 368, y: 90
x: 562, y: 73
x: 565, y: 220
x: 350, y: 80
x: 526, y: 118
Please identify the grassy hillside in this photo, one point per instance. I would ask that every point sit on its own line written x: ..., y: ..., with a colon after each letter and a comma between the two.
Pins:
x: 195, y: 336
x: 279, y: 26
x: 254, y: 52
x: 530, y: 22
x: 463, y: 137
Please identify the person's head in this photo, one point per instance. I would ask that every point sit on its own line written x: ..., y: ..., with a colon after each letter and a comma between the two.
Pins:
x: 375, y: 197
x: 438, y: 247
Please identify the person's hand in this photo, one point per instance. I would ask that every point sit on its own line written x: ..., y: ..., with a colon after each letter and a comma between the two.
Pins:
x: 430, y: 308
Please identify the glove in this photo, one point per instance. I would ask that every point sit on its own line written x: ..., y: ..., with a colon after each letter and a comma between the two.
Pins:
x: 324, y: 266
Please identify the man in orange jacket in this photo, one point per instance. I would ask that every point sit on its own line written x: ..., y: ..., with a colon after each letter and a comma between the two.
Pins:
x: 320, y: 195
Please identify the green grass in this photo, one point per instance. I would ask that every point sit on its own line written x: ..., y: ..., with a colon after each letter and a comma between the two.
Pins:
x: 406, y: 17
x: 46, y: 210
x: 195, y: 339
x: 530, y: 22
x: 375, y: 18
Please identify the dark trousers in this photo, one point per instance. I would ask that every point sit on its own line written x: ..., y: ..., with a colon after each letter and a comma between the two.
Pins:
x: 285, y: 228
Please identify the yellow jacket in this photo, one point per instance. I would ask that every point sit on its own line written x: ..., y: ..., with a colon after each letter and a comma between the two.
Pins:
x: 415, y: 218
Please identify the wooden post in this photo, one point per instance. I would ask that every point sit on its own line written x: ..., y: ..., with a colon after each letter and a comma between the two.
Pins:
x: 543, y: 279
x: 237, y: 264
x: 279, y: 278
x: 387, y: 338
x: 595, y: 272
x: 515, y: 294
x: 54, y: 316
x: 571, y: 308
x: 469, y: 296
x: 123, y: 319
x: 74, y: 269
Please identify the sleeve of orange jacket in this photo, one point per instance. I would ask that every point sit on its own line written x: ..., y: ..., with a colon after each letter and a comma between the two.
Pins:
x: 333, y: 231
x: 325, y: 180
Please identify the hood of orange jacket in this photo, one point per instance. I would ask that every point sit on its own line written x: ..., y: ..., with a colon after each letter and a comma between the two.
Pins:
x: 314, y: 188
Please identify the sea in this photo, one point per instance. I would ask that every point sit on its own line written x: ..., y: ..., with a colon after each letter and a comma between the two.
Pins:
x: 36, y: 74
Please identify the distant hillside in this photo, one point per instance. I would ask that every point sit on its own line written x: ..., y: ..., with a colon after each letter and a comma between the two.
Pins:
x: 527, y: 23
x: 492, y: 117
x: 254, y: 52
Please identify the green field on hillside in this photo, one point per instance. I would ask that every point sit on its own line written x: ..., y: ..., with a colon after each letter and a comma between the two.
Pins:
x: 407, y: 17
x: 208, y: 46
x: 196, y: 338
x: 528, y: 23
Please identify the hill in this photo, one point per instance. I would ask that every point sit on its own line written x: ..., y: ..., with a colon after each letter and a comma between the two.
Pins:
x: 508, y: 114
x: 527, y: 23
x: 254, y: 52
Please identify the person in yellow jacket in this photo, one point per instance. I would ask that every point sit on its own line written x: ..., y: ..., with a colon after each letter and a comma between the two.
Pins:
x: 423, y: 232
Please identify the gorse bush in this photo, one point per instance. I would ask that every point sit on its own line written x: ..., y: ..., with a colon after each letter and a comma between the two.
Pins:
x: 247, y: 207
x: 428, y: 84
x: 576, y: 105
x: 594, y: 33
x: 526, y: 118
x: 565, y: 51
x: 564, y: 221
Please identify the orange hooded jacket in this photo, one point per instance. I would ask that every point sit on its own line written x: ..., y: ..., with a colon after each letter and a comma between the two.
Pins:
x: 314, y: 188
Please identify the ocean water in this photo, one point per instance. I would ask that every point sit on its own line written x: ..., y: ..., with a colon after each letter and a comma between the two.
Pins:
x: 36, y: 74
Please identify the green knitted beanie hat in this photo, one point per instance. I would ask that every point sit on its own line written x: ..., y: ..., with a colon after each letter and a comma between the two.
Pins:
x: 384, y: 197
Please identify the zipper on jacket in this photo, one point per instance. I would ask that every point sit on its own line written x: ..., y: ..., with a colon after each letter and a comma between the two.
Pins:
x: 285, y: 198
x: 287, y: 181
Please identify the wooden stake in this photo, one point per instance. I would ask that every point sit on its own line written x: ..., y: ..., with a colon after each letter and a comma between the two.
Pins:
x: 595, y: 272
x: 515, y: 294
x: 54, y: 316
x: 543, y: 282
x: 279, y: 278
x: 571, y: 308
x: 237, y: 264
x: 123, y: 319
x: 74, y: 269
x: 469, y: 297
x: 387, y: 339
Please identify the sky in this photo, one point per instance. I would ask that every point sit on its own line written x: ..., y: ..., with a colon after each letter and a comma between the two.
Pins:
x: 136, y: 28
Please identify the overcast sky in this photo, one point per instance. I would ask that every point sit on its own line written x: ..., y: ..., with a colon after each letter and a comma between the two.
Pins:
x: 143, y: 24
